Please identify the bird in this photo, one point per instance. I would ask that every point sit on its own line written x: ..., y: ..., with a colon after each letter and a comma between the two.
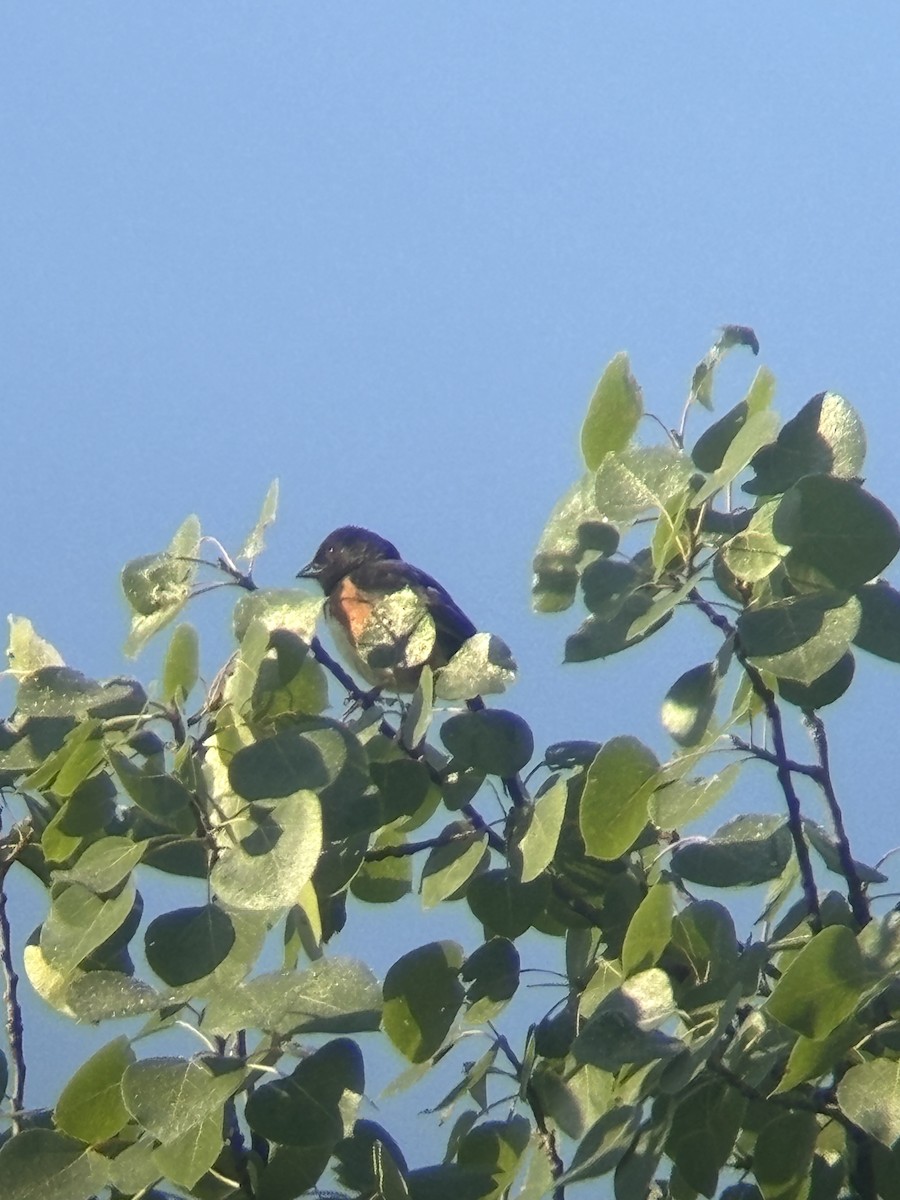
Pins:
x: 389, y: 618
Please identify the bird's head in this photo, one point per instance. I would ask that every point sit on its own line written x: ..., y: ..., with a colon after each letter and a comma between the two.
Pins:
x: 345, y: 550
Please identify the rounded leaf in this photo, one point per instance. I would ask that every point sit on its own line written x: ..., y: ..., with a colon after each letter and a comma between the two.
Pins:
x: 491, y: 740
x: 837, y: 528
x: 90, y: 1106
x: 614, y: 412
x: 422, y: 995
x: 189, y: 943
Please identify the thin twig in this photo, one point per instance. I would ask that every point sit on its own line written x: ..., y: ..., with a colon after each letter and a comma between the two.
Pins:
x: 546, y: 1136
x: 782, y: 761
x: 817, y: 1102
x: 15, y: 1030
x: 856, y: 895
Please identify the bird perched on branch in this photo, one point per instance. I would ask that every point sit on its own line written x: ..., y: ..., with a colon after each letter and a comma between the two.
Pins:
x: 389, y: 618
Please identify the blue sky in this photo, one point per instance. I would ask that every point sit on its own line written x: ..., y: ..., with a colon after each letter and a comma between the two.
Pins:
x: 384, y: 251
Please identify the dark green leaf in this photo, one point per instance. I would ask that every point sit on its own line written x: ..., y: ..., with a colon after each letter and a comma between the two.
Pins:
x: 490, y: 740
x: 822, y: 691
x: 574, y: 520
x: 879, y: 624
x: 821, y: 986
x: 505, y: 906
x: 450, y: 865
x: 690, y: 703
x: 746, y: 850
x: 782, y: 1156
x: 802, y: 637
x: 310, y: 1106
x: 836, y: 528
x: 706, y: 1123
x: 187, y: 944
x: 492, y: 973
x: 40, y: 1164
x: 422, y: 995
x: 825, y: 438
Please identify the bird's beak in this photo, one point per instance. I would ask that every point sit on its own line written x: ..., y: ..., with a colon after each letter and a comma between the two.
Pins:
x: 310, y: 571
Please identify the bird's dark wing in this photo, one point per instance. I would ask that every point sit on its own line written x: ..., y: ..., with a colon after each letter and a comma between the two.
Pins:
x: 452, y: 626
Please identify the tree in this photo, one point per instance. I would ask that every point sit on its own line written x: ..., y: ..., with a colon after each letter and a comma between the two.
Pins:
x: 678, y: 1060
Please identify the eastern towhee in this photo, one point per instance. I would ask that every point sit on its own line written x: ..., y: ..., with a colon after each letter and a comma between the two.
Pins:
x: 389, y: 618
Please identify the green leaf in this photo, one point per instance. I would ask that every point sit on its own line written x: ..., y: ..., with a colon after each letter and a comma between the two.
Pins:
x: 869, y: 1094
x: 450, y: 865
x: 169, y: 1096
x: 483, y: 666
x: 334, y: 995
x: 157, y: 586
x: 90, y: 1106
x: 704, y: 1128
x: 826, y: 846
x: 315, y: 756
x: 311, y: 1106
x: 505, y: 906
x: 747, y: 850
x: 802, y: 637
x: 104, y: 995
x: 492, y: 973
x: 27, y: 651
x: 186, y: 1158
x: 188, y: 943
x: 362, y: 1159
x: 690, y: 703
x: 181, y: 668
x: 255, y: 542
x: 879, y: 623
x: 40, y: 1164
x: 386, y: 880
x: 104, y: 864
x: 623, y: 1028
x: 822, y: 691
x: 79, y: 921
x: 496, y: 1147
x: 836, y: 528
x: 826, y: 437
x: 422, y: 995
x: 604, y: 1145
x: 754, y: 553
x: 782, y: 1156
x: 63, y: 692
x: 756, y: 432
x: 649, y: 931
x: 266, y: 855
x: 614, y: 804
x: 632, y: 481
x: 575, y: 526
x: 702, y: 381
x: 491, y: 740
x: 291, y: 1171
x: 278, y: 608
x: 811, y: 1058
x: 677, y: 804
x: 536, y: 844
x: 822, y: 985
x: 162, y: 797
x: 614, y: 413
x: 713, y: 444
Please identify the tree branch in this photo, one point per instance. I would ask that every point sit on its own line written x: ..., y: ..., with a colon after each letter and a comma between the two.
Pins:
x: 858, y: 900
x: 782, y: 762
x: 546, y: 1135
x: 15, y: 1030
